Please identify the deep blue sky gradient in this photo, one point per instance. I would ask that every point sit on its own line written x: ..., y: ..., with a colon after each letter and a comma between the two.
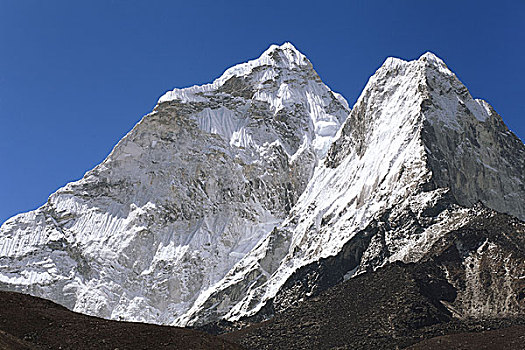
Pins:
x: 76, y: 76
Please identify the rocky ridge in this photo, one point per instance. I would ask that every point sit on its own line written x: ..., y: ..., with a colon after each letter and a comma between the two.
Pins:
x: 29, y: 323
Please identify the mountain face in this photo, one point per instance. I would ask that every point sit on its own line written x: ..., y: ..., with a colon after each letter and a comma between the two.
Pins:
x: 415, y: 154
x: 240, y: 198
x: 182, y: 197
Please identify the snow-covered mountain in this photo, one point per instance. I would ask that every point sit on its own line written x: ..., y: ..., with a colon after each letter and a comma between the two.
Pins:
x: 182, y: 197
x: 415, y: 156
x: 239, y: 198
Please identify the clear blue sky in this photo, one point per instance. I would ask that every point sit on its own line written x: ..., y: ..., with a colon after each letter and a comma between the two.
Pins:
x: 75, y: 76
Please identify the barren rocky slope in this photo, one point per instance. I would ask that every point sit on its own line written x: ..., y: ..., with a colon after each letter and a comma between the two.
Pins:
x: 27, y: 322
x: 471, y: 280
x: 510, y: 338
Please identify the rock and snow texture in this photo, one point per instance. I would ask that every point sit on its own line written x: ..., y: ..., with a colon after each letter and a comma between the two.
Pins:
x: 182, y: 197
x: 416, y: 152
x: 239, y: 197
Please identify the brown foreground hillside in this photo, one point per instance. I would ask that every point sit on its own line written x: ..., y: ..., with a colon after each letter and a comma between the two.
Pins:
x: 500, y: 339
x: 27, y: 322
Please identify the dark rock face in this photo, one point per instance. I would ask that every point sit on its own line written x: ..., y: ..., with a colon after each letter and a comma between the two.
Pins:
x: 325, y: 273
x: 478, y: 159
x: 469, y: 280
x: 485, y: 261
x: 369, y: 311
x: 312, y: 279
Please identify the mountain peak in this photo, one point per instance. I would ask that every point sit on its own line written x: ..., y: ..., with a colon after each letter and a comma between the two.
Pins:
x: 430, y: 56
x: 431, y: 60
x: 225, y: 197
x: 284, y: 56
x: 414, y: 158
x: 195, y: 185
x: 428, y: 59
x: 279, y: 56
